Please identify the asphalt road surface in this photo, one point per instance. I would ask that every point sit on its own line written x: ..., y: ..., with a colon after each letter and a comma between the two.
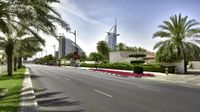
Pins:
x: 62, y: 89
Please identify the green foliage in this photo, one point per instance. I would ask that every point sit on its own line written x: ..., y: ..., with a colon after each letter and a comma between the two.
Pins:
x: 137, y: 61
x: 97, y: 57
x: 82, y: 56
x: 69, y: 56
x: 125, y: 66
x: 171, y: 69
x: 180, y: 40
x: 102, y: 47
x: 49, y: 60
x: 22, y: 17
x: 123, y: 47
x: 10, y: 102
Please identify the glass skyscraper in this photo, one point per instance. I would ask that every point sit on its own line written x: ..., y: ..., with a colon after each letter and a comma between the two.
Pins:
x: 66, y: 46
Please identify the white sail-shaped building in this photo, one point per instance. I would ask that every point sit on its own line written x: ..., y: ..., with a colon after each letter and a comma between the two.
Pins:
x: 111, y: 37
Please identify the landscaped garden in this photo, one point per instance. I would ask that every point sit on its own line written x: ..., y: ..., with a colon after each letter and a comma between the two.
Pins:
x: 127, y: 66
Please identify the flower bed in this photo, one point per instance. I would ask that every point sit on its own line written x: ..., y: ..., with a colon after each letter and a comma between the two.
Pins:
x: 124, y: 74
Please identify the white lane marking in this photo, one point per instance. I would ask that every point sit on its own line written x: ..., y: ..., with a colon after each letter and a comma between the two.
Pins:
x: 67, y: 79
x: 103, y: 93
x: 186, y: 86
x: 149, y: 89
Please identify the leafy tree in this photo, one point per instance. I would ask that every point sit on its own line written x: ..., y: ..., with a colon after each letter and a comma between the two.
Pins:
x: 82, y: 56
x: 123, y: 47
x: 69, y: 56
x: 102, y: 47
x: 180, y: 38
x: 47, y: 59
x: 97, y: 57
x: 26, y: 48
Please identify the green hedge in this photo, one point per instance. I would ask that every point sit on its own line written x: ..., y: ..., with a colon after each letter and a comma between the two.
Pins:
x: 125, y: 66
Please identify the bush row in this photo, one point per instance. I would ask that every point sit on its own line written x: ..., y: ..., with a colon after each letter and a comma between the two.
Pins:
x: 127, y: 66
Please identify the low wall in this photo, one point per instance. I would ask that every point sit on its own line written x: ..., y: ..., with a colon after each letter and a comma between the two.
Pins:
x: 195, y: 64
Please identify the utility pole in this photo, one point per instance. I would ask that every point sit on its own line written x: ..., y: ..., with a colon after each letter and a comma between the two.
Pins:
x: 75, y: 48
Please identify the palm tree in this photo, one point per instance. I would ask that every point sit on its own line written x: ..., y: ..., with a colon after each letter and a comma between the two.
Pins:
x: 102, y: 47
x: 25, y: 48
x: 121, y: 46
x: 32, y: 15
x: 180, y: 38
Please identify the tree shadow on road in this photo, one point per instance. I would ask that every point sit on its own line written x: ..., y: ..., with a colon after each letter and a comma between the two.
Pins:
x: 55, y: 101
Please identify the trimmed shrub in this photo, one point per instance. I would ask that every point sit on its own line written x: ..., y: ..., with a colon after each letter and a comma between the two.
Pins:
x: 125, y: 66
x: 171, y: 69
x: 138, y: 69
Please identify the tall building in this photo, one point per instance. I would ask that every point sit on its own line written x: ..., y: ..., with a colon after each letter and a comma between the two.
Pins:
x: 62, y: 46
x: 111, y: 37
x: 67, y: 46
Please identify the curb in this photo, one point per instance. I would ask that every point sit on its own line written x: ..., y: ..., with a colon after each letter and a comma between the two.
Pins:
x: 149, y: 78
x: 27, y: 97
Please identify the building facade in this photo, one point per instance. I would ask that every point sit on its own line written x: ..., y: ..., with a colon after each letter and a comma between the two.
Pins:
x: 123, y: 56
x: 67, y: 46
x: 62, y: 46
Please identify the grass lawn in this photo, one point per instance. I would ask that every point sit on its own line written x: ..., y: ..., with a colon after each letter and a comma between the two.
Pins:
x: 10, y: 102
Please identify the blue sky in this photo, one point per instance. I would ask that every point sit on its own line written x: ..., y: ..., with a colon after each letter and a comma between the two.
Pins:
x: 137, y: 19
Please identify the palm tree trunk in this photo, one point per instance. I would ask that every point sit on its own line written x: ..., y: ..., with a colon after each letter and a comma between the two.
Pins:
x: 15, y: 63
x: 19, y: 62
x: 184, y: 60
x: 9, y: 53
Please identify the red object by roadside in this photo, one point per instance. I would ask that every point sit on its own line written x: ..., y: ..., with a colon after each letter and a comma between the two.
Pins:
x: 75, y: 55
x: 125, y: 74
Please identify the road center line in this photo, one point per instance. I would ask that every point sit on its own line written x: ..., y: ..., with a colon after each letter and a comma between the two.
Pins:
x: 186, y: 86
x: 103, y: 93
x: 149, y: 89
x: 67, y: 79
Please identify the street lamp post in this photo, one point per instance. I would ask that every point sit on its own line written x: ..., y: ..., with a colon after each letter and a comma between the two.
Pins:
x: 75, y: 48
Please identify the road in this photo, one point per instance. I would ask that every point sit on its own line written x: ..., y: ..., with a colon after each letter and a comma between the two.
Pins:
x: 62, y: 89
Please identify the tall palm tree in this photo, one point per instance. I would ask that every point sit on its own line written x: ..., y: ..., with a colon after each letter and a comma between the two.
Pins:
x: 32, y: 15
x: 180, y: 39
x: 102, y: 47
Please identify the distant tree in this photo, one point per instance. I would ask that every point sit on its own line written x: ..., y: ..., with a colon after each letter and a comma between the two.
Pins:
x: 102, y: 47
x: 97, y: 57
x: 121, y: 46
x: 181, y: 37
x: 69, y: 56
x: 48, y: 59
x: 82, y: 56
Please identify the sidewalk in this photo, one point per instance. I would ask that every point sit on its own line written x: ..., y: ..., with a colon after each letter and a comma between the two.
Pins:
x: 27, y: 96
x: 193, y: 79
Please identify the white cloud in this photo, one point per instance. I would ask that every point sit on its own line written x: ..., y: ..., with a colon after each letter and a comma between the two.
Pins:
x: 70, y: 7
